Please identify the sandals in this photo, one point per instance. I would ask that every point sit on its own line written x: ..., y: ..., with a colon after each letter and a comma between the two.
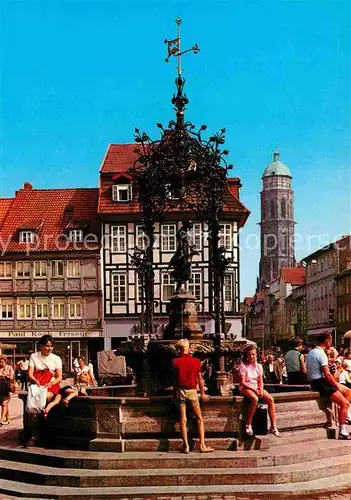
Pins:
x: 275, y: 432
x: 346, y: 437
x: 248, y: 430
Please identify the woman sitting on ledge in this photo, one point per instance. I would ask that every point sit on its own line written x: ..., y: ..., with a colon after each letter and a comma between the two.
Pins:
x: 251, y: 387
x: 84, y: 368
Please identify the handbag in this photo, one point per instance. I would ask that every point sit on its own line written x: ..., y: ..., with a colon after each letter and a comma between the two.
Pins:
x: 260, y: 420
x: 36, y: 399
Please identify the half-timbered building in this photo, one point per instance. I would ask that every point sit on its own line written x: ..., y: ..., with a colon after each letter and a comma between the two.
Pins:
x: 122, y: 231
x: 50, y: 272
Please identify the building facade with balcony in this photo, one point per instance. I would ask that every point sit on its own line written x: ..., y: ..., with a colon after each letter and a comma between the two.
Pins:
x: 122, y: 232
x: 322, y: 267
x: 49, y: 271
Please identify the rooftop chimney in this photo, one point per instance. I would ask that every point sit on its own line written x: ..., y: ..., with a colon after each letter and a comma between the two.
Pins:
x: 27, y: 186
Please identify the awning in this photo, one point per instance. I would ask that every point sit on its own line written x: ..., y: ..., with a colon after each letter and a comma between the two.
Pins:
x: 317, y: 331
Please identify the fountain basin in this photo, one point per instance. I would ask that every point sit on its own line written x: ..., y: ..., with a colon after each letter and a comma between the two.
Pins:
x: 150, y: 423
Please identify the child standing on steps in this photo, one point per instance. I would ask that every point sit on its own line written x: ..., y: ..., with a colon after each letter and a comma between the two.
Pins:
x: 251, y: 387
x: 187, y: 377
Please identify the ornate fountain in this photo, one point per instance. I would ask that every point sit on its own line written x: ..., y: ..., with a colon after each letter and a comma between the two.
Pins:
x: 186, y: 172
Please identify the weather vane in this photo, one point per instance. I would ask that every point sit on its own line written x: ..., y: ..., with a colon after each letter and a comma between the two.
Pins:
x: 173, y: 47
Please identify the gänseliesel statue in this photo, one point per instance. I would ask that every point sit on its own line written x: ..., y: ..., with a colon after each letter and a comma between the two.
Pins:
x: 181, y: 260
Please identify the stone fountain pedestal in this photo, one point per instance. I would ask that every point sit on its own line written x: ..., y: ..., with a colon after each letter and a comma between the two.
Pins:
x: 183, y: 318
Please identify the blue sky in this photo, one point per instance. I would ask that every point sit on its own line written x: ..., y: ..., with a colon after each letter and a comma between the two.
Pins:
x: 80, y: 74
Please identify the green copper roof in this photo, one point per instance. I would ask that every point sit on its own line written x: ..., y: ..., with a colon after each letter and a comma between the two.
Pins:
x: 276, y: 167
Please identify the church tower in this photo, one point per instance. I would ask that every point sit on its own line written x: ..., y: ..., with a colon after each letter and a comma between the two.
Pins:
x: 277, y: 221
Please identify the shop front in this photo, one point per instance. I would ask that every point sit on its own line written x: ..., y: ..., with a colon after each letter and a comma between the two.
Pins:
x: 68, y: 345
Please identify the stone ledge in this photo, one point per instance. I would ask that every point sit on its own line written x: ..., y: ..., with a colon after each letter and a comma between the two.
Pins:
x: 121, y: 419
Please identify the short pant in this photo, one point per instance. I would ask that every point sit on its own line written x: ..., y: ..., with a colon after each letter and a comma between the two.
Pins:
x: 322, y: 386
x: 184, y: 395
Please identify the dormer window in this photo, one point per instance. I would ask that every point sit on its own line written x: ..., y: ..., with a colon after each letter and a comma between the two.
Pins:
x: 75, y: 235
x: 28, y: 230
x: 26, y: 237
x: 122, y: 192
x: 171, y: 192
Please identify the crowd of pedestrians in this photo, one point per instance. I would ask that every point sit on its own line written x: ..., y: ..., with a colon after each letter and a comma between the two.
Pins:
x: 326, y: 370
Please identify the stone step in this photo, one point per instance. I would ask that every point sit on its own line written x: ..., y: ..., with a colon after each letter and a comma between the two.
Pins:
x: 258, y: 443
x: 336, y: 488
x: 279, y: 455
x: 85, y: 478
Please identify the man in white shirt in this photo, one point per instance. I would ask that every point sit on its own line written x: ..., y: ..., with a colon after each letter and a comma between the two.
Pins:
x: 322, y: 381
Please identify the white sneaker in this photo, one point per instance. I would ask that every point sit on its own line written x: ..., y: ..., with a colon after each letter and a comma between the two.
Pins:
x: 248, y: 430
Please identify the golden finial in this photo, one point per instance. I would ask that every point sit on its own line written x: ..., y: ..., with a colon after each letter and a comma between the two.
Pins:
x: 173, y: 47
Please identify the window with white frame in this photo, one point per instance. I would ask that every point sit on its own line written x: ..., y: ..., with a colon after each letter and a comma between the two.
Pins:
x: 168, y: 237
x: 119, y: 238
x: 5, y: 269
x: 141, y: 238
x: 42, y: 309
x: 228, y: 291
x: 75, y: 235
x: 26, y: 237
x: 121, y: 192
x: 139, y: 288
x: 119, y: 288
x: 195, y: 284
x: 57, y: 268
x: 73, y: 268
x: 58, y: 309
x: 40, y: 268
x: 75, y: 308
x: 168, y: 286
x: 23, y: 269
x: 196, y: 236
x: 24, y: 309
x: 225, y: 236
x: 6, y: 309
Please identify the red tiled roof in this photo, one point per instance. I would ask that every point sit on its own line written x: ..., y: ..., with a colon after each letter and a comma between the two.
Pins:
x: 248, y: 300
x: 120, y: 158
x: 259, y: 295
x: 234, y: 185
x: 5, y: 205
x: 294, y: 275
x: 48, y: 206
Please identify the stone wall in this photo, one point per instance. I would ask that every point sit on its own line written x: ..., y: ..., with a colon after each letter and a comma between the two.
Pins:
x: 125, y: 423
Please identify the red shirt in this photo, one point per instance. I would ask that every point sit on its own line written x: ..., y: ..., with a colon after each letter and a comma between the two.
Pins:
x: 186, y: 370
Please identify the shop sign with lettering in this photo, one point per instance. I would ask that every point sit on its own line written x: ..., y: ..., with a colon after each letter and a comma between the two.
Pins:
x: 34, y: 335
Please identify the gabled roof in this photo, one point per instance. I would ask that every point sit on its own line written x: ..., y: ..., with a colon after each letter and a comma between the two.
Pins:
x: 294, y: 275
x: 49, y: 207
x: 119, y: 158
